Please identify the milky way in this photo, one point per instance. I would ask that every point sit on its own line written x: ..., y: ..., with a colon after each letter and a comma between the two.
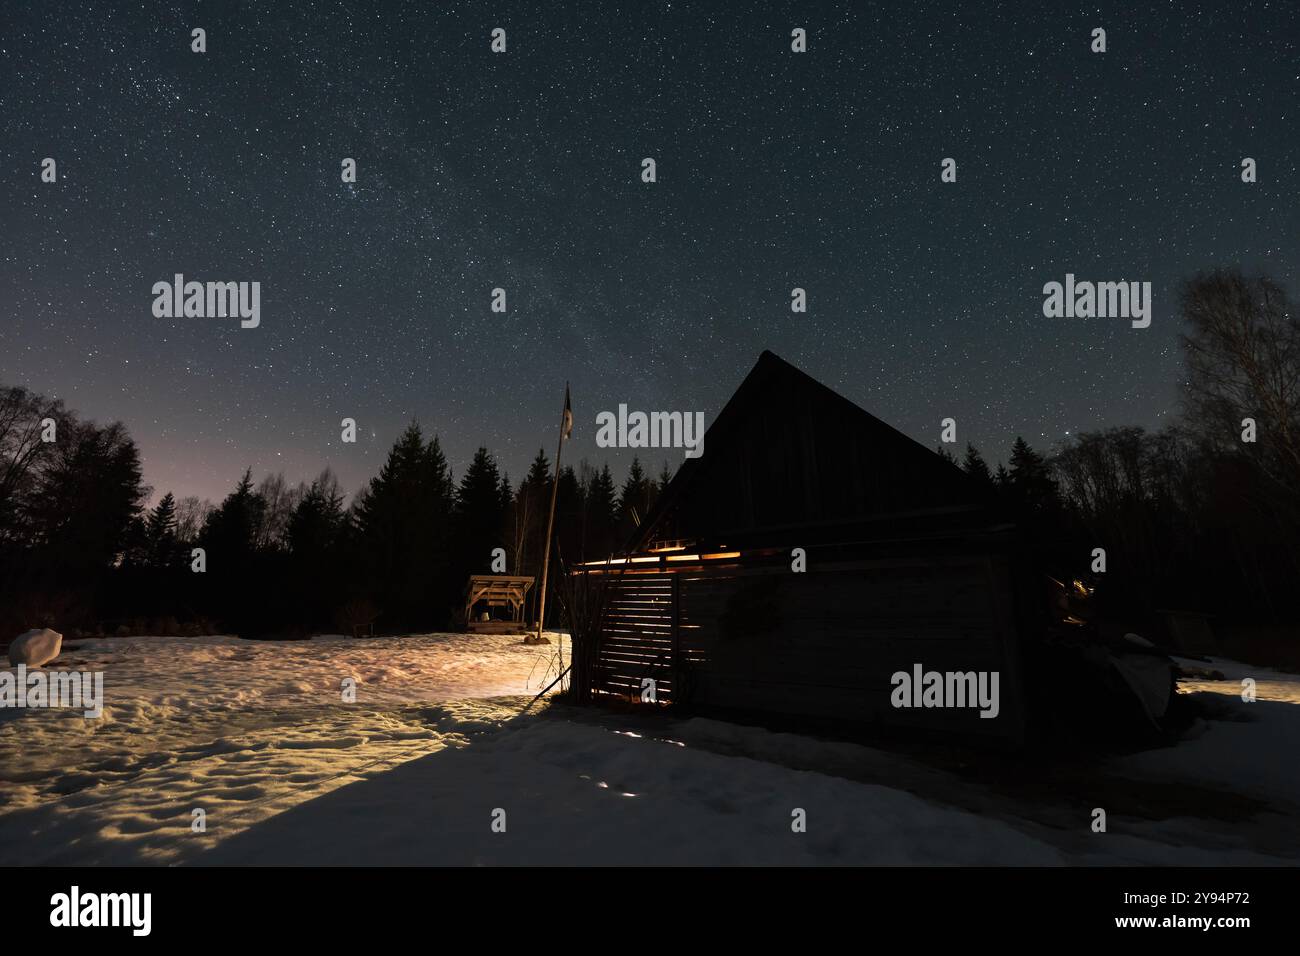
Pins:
x: 521, y: 171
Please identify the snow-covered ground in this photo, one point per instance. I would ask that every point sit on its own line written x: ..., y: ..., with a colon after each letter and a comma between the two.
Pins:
x: 1250, y: 748
x: 434, y: 764
x: 239, y: 729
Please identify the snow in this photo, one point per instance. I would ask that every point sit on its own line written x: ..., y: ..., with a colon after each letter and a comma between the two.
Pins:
x: 236, y: 728
x: 1252, y: 748
x: 258, y: 737
x: 577, y: 794
x: 35, y: 648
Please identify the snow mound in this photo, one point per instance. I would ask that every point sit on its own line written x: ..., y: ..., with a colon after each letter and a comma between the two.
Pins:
x: 35, y: 648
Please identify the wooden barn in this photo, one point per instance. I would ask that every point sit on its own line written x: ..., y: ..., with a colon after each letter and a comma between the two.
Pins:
x: 812, y: 553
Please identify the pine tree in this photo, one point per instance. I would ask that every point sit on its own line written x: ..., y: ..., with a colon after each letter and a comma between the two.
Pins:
x: 632, y: 500
x: 317, y: 571
x: 160, y: 532
x: 403, y: 522
x: 975, y: 466
x: 533, y: 507
x: 230, y: 533
x: 601, y: 515
x: 1032, y: 487
x: 569, y: 503
x: 87, y: 497
x: 665, y: 476
x: 315, y: 522
x: 478, y: 515
x: 539, y: 472
x: 240, y: 588
x: 507, y: 494
x: 381, y: 505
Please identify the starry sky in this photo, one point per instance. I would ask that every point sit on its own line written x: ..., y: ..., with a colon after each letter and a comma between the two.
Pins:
x: 522, y: 171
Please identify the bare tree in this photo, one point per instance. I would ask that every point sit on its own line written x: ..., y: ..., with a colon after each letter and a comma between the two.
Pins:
x: 190, y: 515
x: 521, y: 522
x: 281, y: 500
x: 22, y: 414
x: 1243, y: 361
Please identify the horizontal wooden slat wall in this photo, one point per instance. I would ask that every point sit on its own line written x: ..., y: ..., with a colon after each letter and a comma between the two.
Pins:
x: 824, y: 643
x: 637, y: 636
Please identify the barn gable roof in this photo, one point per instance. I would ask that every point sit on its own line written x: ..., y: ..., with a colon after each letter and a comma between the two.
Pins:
x: 788, y: 456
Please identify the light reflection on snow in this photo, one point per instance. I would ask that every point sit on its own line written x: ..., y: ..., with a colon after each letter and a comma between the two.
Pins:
x: 246, y: 729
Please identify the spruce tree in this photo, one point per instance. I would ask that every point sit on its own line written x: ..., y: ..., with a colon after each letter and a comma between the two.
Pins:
x: 975, y: 466
x: 237, y: 588
x: 403, y: 521
x: 665, y: 476
x: 569, y: 544
x: 230, y: 533
x: 539, y: 472
x: 602, y: 515
x: 315, y: 521
x: 1030, y: 478
x: 534, y: 502
x: 633, y: 499
x: 478, y: 516
x: 160, y: 532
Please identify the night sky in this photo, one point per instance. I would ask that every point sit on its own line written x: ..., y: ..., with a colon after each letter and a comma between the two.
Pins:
x: 522, y: 170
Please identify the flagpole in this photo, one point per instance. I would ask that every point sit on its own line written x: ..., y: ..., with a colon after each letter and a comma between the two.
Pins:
x: 565, y: 416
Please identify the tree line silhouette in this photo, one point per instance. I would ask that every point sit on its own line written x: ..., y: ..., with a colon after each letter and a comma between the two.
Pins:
x: 1203, y: 514
x: 79, y: 550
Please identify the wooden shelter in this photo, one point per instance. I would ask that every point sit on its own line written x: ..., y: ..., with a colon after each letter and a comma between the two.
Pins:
x: 501, y: 598
x: 812, y: 553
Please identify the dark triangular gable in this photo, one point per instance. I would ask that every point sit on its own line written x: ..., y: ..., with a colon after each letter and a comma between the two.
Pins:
x: 788, y: 453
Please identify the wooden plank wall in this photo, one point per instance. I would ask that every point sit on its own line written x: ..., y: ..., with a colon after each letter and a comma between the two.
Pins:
x: 826, y: 643
x: 823, y: 643
x: 637, y: 634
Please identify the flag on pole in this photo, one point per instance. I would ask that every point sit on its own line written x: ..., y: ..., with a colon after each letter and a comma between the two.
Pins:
x: 568, y: 416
